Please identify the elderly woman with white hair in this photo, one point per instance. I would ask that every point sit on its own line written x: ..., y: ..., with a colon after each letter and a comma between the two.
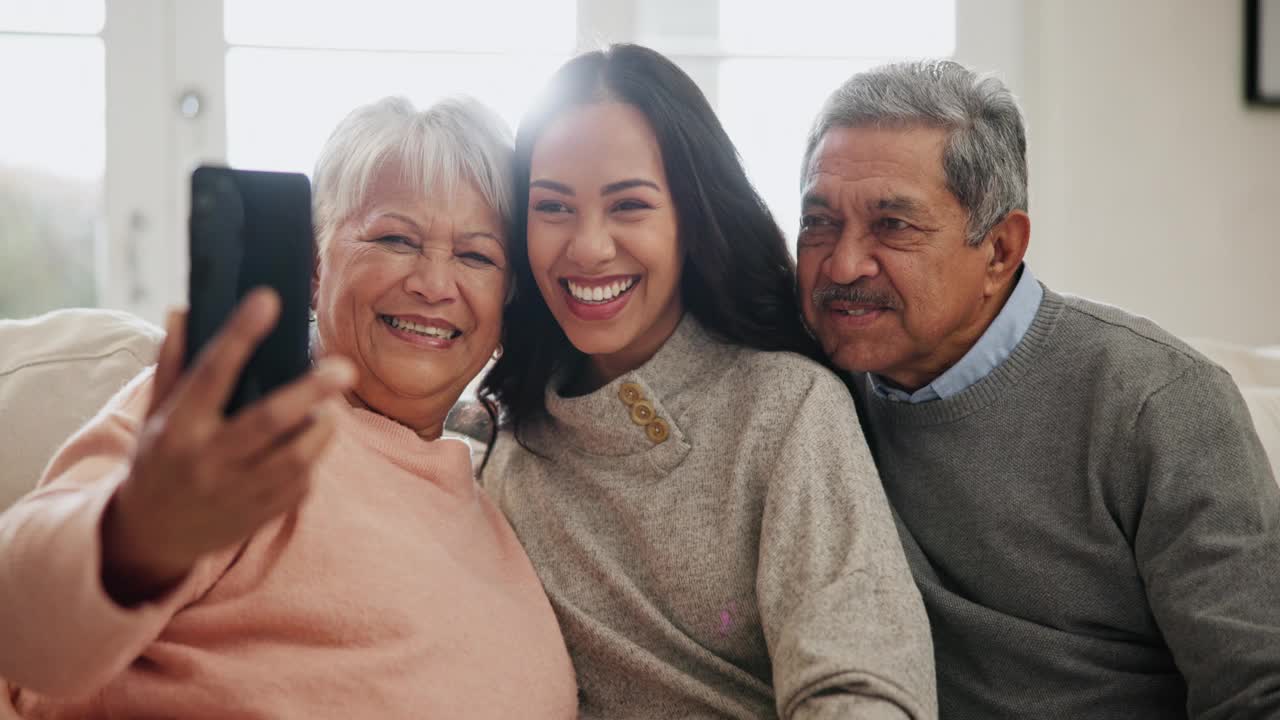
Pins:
x: 324, y: 552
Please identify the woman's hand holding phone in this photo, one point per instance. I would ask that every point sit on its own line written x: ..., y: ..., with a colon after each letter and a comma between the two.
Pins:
x: 200, y: 481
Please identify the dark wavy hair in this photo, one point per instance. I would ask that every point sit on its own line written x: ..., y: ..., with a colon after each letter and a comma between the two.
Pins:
x: 738, y: 278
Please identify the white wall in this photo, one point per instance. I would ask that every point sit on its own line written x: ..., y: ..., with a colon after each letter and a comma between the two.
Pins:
x: 1153, y: 186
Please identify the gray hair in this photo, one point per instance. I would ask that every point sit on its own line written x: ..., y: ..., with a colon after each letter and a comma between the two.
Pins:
x: 453, y: 142
x: 985, y: 156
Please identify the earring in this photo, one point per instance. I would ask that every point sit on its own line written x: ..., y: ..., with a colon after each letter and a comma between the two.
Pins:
x: 313, y: 338
x: 497, y: 353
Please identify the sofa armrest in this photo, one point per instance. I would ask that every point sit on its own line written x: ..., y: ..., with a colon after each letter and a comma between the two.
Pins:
x: 56, y: 371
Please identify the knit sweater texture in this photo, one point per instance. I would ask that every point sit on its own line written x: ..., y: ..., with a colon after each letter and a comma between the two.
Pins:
x: 397, y: 590
x: 1094, y: 527
x: 745, y: 565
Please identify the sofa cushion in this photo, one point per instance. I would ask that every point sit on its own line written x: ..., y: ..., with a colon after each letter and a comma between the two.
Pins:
x: 1249, y: 366
x: 56, y: 371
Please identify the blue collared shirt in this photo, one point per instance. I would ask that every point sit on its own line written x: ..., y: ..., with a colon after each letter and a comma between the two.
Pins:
x: 993, y: 348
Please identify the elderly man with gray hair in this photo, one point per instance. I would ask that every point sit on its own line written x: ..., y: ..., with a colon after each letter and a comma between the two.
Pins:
x: 1086, y: 507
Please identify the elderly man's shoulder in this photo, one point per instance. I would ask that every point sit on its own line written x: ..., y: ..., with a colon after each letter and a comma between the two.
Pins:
x: 1119, y: 350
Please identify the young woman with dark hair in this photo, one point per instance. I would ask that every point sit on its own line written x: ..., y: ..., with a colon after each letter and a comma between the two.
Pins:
x: 691, y: 484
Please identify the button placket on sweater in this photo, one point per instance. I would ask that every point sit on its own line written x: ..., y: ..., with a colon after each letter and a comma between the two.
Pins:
x: 607, y: 422
x: 643, y: 413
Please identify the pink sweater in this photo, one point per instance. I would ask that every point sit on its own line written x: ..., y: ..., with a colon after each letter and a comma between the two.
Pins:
x: 397, y: 590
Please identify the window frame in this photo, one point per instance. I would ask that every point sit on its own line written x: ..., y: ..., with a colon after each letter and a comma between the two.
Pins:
x: 158, y: 52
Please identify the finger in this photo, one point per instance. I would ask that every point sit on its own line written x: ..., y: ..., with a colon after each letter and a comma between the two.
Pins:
x: 169, y: 360
x: 274, y: 419
x: 207, y: 387
x: 283, y: 476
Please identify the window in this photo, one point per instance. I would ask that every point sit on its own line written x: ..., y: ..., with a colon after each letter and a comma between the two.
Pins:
x: 768, y: 66
x: 289, y: 83
x: 117, y: 100
x: 52, y: 154
x: 767, y: 105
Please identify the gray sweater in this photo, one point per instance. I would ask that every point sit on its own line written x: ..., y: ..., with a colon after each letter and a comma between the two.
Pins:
x: 1094, y: 527
x: 725, y: 551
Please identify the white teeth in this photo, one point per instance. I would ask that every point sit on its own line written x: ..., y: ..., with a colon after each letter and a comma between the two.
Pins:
x: 427, y: 330
x: 599, y: 293
x: 856, y: 313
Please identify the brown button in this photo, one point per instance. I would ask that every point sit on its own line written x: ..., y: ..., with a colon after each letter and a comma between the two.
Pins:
x: 657, y: 431
x: 630, y: 393
x: 642, y: 412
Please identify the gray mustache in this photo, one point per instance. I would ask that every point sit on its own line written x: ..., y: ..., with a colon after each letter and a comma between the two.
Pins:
x: 853, y: 294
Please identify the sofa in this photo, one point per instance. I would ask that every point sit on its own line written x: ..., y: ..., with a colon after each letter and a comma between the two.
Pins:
x: 58, y: 369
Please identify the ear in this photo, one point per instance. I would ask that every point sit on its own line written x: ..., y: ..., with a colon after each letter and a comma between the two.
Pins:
x: 1009, y: 240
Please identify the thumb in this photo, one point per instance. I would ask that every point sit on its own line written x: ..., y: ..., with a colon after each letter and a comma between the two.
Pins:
x: 169, y: 362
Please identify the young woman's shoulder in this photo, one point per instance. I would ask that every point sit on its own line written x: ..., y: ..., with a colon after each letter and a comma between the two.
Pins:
x: 784, y: 418
x: 785, y: 376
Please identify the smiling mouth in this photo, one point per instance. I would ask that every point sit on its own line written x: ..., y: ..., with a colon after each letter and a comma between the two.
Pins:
x: 854, y: 310
x: 430, y: 331
x: 599, y: 294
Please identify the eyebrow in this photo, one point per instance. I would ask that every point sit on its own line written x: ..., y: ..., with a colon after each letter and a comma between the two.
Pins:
x: 553, y: 186
x: 471, y: 235
x: 899, y: 203
x: 621, y: 185
x: 894, y: 204
x: 396, y: 216
x: 478, y: 234
x: 813, y: 199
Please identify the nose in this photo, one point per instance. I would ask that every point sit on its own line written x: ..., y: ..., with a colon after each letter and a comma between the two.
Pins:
x: 434, y: 277
x: 853, y: 258
x: 591, y: 246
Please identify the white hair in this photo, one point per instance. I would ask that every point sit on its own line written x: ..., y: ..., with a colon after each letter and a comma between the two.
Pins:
x: 455, y: 141
x: 985, y: 157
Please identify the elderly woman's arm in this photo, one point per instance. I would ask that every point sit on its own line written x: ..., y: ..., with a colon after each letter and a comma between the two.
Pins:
x: 846, y: 627
x: 142, y: 508
x: 61, y: 634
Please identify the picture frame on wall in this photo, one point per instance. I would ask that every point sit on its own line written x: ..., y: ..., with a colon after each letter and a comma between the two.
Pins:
x: 1262, y: 52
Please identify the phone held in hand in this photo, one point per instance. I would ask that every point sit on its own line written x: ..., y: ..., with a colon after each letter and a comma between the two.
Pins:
x: 250, y: 229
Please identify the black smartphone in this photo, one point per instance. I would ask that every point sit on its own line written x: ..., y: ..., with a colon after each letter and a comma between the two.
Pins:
x: 249, y: 229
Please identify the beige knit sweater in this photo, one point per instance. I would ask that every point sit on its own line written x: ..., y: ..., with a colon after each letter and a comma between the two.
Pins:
x: 714, y: 538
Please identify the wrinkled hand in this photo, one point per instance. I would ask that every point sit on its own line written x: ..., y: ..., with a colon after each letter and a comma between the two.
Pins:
x: 201, y: 482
